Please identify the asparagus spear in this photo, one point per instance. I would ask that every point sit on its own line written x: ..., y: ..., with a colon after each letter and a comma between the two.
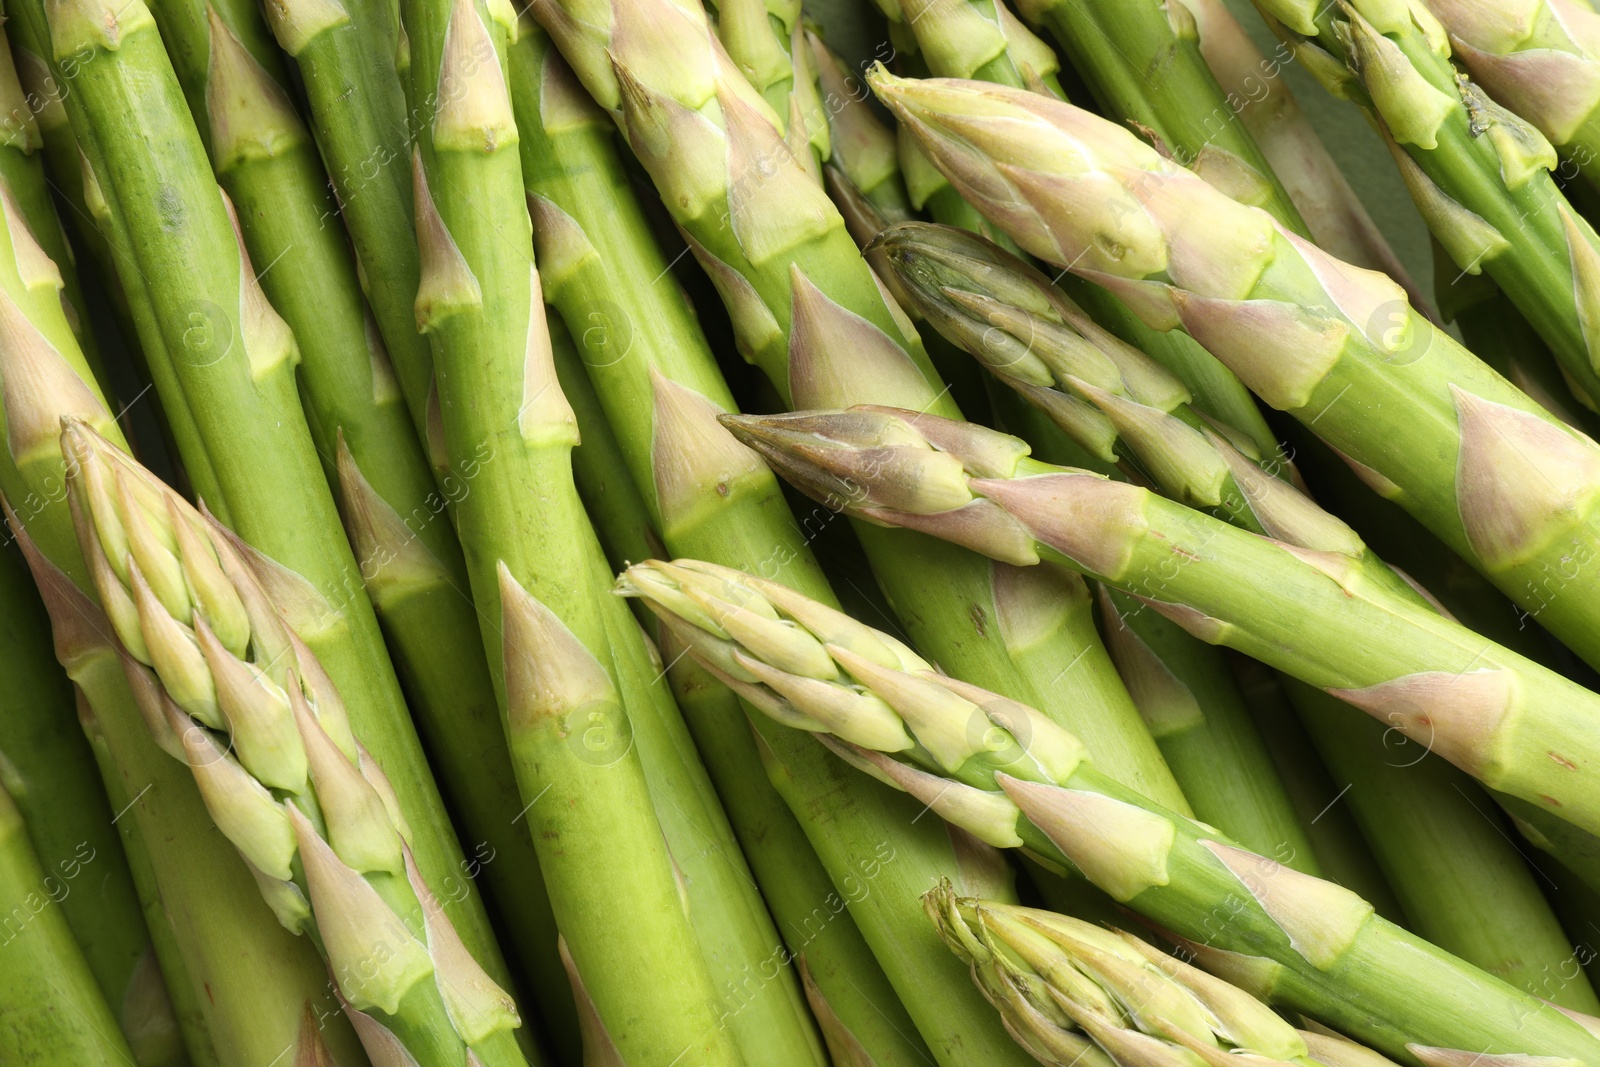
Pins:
x: 1479, y: 174
x: 52, y: 1012
x: 346, y: 55
x: 563, y: 662
x: 1513, y: 724
x: 22, y: 169
x: 1449, y: 440
x: 228, y: 360
x: 766, y: 40
x: 406, y: 550
x: 264, y: 990
x: 794, y: 283
x: 53, y: 782
x: 653, y: 372
x: 1541, y: 60
x: 226, y: 687
x: 1074, y: 992
x: 1012, y: 777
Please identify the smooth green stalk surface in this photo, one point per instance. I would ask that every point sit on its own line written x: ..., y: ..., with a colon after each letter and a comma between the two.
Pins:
x: 52, y: 779
x: 52, y: 1012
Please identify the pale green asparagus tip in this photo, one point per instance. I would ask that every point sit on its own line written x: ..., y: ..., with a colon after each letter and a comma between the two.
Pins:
x: 1074, y: 992
x: 226, y: 685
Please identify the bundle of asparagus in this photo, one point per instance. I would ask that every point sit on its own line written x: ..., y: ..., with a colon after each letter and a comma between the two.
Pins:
x: 349, y: 755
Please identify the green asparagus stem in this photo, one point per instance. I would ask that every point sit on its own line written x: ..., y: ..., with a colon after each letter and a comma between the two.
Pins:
x: 1322, y: 804
x: 226, y: 687
x: 222, y: 353
x: 51, y: 775
x: 1426, y: 423
x: 1072, y: 992
x: 22, y: 169
x: 654, y: 374
x: 1541, y: 60
x: 810, y: 314
x: 264, y: 990
x: 52, y: 1012
x: 406, y: 550
x: 1515, y: 725
x: 564, y: 658
x: 1009, y: 775
x: 347, y: 59
x: 1479, y: 174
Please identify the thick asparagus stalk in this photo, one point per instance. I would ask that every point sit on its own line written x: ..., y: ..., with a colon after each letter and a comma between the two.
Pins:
x: 1541, y: 60
x: 53, y: 782
x: 1074, y: 992
x: 222, y: 354
x: 1429, y: 426
x: 1012, y: 777
x: 263, y: 989
x: 1479, y: 174
x: 226, y: 687
x: 653, y: 373
x: 809, y: 313
x: 1513, y: 724
x: 52, y: 1011
x: 406, y: 549
x: 552, y: 637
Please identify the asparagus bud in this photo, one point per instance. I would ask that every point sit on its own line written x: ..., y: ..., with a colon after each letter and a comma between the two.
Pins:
x: 230, y: 690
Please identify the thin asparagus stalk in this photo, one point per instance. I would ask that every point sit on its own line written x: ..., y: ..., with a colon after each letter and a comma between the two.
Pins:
x: 1258, y: 94
x: 51, y: 774
x: 1541, y: 60
x: 1009, y: 775
x: 981, y: 39
x: 1072, y: 992
x: 862, y: 148
x: 796, y: 289
x: 228, y: 689
x: 653, y: 372
x: 406, y: 550
x: 22, y: 169
x: 1479, y: 174
x: 52, y: 1011
x: 264, y: 990
x: 1513, y: 724
x: 229, y: 360
x: 1428, y: 425
x: 532, y: 558
x: 346, y: 55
